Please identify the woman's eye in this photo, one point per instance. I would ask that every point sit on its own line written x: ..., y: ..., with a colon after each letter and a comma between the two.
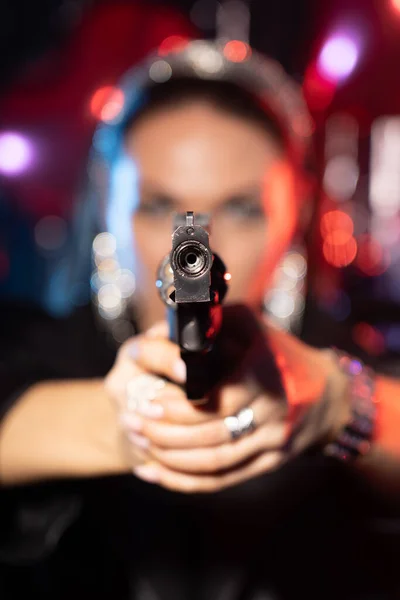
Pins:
x: 156, y: 206
x: 246, y: 208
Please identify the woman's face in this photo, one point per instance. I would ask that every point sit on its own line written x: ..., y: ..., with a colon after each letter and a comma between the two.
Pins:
x: 199, y: 158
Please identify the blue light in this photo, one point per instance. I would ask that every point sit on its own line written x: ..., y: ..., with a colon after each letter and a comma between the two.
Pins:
x: 122, y: 202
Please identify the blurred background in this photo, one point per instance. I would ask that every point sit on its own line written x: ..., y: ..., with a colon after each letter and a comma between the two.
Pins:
x: 60, y: 61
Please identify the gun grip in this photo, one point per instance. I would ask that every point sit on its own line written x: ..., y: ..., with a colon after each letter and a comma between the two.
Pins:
x: 199, y: 375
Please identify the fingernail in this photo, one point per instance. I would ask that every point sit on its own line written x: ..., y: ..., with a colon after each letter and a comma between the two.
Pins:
x: 147, y: 472
x: 180, y: 370
x: 151, y: 410
x: 132, y: 421
x: 138, y: 440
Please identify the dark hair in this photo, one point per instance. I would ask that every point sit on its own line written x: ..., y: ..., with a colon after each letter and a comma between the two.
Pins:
x: 224, y: 95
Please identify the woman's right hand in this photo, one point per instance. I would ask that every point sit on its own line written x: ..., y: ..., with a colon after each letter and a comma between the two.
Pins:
x: 126, y: 369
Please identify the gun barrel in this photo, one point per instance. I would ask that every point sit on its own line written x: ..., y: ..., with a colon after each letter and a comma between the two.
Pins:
x: 191, y: 282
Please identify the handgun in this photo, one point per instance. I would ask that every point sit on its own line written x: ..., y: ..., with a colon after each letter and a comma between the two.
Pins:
x: 192, y: 282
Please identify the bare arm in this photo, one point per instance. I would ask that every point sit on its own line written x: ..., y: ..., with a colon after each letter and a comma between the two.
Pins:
x: 61, y: 429
x: 306, y: 371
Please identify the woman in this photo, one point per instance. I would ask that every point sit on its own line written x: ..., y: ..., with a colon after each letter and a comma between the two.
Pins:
x: 232, y: 509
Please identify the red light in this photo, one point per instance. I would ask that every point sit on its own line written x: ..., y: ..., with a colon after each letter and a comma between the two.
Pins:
x: 227, y: 276
x: 336, y: 221
x: 369, y: 338
x: 340, y: 247
x: 173, y: 43
x: 237, y: 51
x: 337, y: 252
x: 396, y: 5
x: 372, y: 258
x: 317, y: 91
x: 106, y: 103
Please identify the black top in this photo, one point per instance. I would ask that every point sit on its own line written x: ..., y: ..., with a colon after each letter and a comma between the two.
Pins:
x: 309, y: 530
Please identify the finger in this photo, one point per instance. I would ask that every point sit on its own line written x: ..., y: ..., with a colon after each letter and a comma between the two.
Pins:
x: 212, y: 432
x: 158, y: 330
x: 159, y: 356
x: 177, y: 408
x: 194, y: 484
x: 116, y: 381
x: 226, y: 456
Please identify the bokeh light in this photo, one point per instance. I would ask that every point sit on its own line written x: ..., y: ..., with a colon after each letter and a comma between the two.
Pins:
x: 104, y: 245
x: 160, y: 71
x: 339, y: 246
x: 338, y: 253
x: 173, y: 43
x: 15, y: 153
x: 372, y: 258
x: 369, y: 338
x: 318, y: 92
x: 337, y: 225
x: 338, y: 58
x: 396, y: 5
x: 109, y: 300
x: 341, y: 177
x: 236, y: 51
x: 393, y: 338
x: 281, y: 304
x: 384, y: 192
x: 284, y: 301
x: 106, y: 103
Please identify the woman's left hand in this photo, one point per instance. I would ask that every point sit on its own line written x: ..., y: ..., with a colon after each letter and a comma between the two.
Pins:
x: 190, y: 449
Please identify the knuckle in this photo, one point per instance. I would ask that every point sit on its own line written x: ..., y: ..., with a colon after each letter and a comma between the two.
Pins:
x: 233, y: 399
x: 157, y: 355
x: 228, y: 406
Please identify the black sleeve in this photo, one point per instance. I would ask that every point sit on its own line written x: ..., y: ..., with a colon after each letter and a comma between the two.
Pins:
x: 36, y: 347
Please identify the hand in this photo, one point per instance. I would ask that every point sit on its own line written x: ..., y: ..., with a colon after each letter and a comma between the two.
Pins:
x: 127, y: 368
x: 189, y: 449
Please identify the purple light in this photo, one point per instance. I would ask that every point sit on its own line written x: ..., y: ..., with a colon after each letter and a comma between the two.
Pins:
x: 15, y: 153
x: 338, y: 58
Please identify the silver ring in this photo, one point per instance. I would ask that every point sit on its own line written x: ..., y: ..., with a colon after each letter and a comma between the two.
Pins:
x: 240, y: 424
x: 142, y: 389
